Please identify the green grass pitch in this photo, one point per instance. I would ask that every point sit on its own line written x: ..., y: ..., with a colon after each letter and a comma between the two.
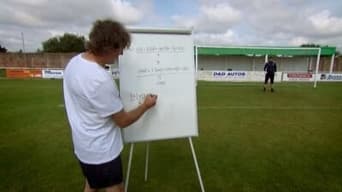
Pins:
x: 249, y: 140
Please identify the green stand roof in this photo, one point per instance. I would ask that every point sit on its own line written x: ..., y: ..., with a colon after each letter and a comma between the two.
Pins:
x: 271, y: 51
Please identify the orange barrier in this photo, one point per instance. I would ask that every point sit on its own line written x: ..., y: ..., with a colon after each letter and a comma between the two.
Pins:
x: 23, y: 73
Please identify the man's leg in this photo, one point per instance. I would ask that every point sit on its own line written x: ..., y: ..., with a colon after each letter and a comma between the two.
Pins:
x: 116, y: 188
x: 106, y: 175
x: 272, y: 80
x: 87, y: 187
x: 266, y: 80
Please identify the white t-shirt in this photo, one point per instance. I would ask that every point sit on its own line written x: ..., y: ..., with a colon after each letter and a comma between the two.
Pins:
x: 91, y: 97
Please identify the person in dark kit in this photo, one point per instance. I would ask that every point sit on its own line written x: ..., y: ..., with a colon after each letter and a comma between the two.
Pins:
x: 270, y: 69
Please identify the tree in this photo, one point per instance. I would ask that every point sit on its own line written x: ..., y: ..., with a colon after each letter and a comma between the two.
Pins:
x: 310, y: 45
x: 316, y: 45
x: 66, y: 43
x: 3, y: 49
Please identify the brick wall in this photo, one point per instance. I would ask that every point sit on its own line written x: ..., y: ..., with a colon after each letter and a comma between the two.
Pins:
x: 35, y: 60
x: 338, y: 64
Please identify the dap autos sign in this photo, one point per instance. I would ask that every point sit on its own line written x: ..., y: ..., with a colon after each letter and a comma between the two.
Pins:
x: 330, y: 77
x: 298, y: 77
x: 52, y: 74
x: 229, y: 75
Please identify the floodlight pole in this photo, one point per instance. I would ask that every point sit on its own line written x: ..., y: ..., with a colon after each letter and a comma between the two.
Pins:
x: 23, y: 41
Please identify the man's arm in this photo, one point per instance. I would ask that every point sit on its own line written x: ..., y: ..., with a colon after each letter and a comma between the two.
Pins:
x: 124, y: 118
x: 265, y: 67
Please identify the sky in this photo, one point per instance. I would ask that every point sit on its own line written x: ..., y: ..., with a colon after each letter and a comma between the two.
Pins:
x: 214, y: 22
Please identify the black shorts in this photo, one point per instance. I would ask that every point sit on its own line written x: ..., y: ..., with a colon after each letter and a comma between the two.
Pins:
x: 103, y: 175
x: 269, y: 76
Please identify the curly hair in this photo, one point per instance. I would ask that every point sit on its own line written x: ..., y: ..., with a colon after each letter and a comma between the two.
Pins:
x: 106, y: 35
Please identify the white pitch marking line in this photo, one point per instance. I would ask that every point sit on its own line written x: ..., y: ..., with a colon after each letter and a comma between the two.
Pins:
x: 274, y: 108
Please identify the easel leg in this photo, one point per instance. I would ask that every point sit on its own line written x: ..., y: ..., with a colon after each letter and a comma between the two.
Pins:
x: 196, y: 164
x: 129, y: 166
x: 146, y: 160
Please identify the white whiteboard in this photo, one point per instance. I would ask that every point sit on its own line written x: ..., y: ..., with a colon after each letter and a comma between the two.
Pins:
x: 160, y: 62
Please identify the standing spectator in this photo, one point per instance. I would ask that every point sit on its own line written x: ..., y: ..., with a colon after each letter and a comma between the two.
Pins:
x: 270, y: 69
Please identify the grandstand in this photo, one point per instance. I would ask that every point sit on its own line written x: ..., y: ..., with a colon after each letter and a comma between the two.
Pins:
x: 246, y: 63
x: 299, y: 59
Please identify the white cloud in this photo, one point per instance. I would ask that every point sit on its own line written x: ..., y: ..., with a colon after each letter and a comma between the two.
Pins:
x: 215, y: 18
x: 242, y: 22
x: 297, y: 41
x: 184, y: 21
x: 26, y: 18
x: 221, y: 13
x: 126, y: 12
x: 39, y: 20
x: 30, y: 2
x: 216, y: 38
x: 324, y: 23
x: 56, y: 32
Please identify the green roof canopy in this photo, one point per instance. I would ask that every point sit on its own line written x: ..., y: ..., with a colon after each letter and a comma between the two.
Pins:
x: 271, y: 51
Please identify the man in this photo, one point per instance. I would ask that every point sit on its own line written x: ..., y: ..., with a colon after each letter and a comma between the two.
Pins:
x: 94, y: 109
x: 270, y: 69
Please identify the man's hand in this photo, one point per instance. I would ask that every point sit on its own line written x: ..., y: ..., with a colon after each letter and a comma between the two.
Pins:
x: 123, y: 118
x: 150, y: 100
